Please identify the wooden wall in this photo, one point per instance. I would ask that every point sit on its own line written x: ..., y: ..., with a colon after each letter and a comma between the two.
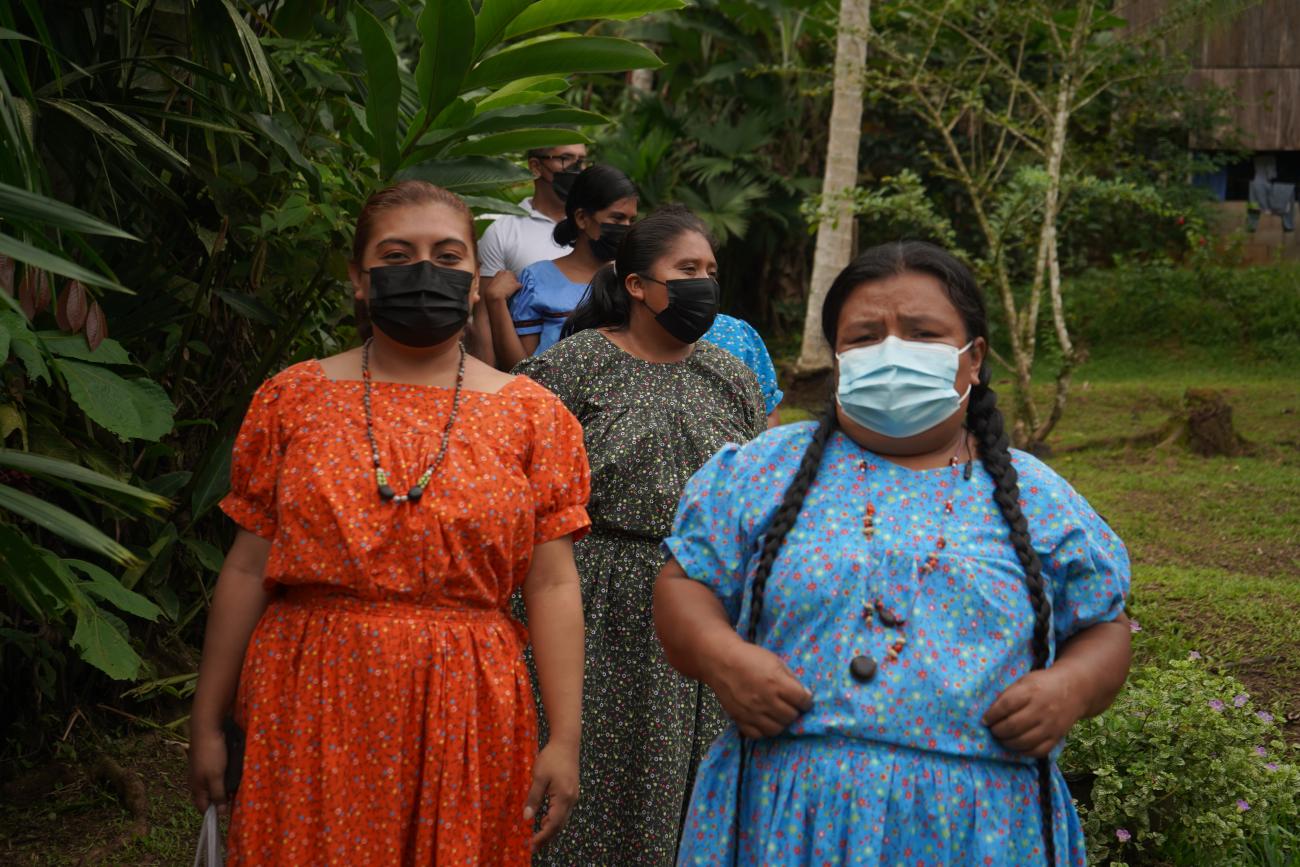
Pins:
x: 1257, y: 56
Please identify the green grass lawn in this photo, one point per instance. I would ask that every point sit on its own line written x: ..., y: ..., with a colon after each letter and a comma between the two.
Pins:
x: 1215, y: 545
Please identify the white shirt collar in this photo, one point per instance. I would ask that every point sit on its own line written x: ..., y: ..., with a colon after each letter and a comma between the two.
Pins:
x: 533, y: 213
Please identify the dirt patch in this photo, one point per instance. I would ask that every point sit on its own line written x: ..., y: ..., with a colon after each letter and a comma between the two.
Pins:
x: 73, y: 812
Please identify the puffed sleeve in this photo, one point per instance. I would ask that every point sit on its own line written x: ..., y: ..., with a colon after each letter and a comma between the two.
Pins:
x: 711, y: 539
x: 255, y: 463
x: 760, y: 361
x: 1087, y: 566
x: 559, y: 475
x: 550, y: 371
x: 524, y: 311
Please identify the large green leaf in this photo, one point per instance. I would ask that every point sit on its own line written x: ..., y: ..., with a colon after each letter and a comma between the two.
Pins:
x: 29, y: 577
x: 40, y: 465
x: 63, y: 524
x: 518, y: 141
x: 550, y: 13
x: 19, y: 204
x: 447, y: 29
x: 537, y: 90
x: 518, y: 116
x: 24, y: 343
x: 46, y: 261
x: 494, y: 16
x: 130, y: 408
x: 383, y: 87
x: 101, y: 585
x: 102, y: 641
x: 562, y: 57
x: 75, y: 346
x: 468, y: 174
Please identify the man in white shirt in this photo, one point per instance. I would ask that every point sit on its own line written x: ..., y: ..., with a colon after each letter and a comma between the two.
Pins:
x: 512, y: 243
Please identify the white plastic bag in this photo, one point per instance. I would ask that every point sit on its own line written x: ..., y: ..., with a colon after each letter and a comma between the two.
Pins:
x: 208, y: 853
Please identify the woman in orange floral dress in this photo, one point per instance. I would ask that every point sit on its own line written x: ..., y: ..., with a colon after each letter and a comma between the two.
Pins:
x: 390, y: 499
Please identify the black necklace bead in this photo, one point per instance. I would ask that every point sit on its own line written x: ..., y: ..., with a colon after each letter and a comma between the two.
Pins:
x: 415, y: 493
x: 863, y: 668
x: 386, y: 492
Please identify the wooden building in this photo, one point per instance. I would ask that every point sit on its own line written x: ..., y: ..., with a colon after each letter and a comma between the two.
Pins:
x: 1255, y: 55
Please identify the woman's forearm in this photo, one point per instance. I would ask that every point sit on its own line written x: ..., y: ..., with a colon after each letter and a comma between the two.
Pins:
x: 505, y: 340
x: 237, y: 605
x: 692, y: 624
x: 554, y: 602
x: 1096, y: 660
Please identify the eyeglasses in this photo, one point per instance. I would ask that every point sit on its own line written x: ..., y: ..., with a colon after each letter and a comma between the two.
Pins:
x: 567, y: 161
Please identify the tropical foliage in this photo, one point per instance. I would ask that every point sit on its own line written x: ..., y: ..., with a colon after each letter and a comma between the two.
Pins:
x: 182, y: 176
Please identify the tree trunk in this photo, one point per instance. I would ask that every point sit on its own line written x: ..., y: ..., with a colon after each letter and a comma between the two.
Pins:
x: 835, y: 232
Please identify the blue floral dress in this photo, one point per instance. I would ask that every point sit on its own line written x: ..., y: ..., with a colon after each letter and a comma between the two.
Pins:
x: 898, y: 770
x: 742, y: 340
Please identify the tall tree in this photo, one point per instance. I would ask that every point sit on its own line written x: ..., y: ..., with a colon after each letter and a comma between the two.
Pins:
x: 835, y: 232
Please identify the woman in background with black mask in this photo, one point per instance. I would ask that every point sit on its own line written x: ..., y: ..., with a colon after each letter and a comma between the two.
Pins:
x: 527, y: 314
x: 654, y: 405
x: 390, y: 500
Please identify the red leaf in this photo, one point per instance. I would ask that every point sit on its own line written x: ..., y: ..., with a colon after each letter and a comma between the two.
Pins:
x: 96, y: 326
x: 43, y: 293
x: 7, y: 275
x: 71, y: 309
x: 27, y: 293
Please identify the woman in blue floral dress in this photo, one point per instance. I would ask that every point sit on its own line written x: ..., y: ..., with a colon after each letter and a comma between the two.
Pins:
x: 923, y: 612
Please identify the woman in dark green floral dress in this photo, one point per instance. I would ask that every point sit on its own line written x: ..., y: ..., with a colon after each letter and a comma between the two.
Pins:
x: 655, y: 405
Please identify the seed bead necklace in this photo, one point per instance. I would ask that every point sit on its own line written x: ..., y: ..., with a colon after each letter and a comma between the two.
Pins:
x: 386, y: 491
x: 863, y: 667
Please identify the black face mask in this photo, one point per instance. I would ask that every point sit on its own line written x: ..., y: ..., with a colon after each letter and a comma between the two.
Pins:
x: 562, y: 182
x: 692, y: 307
x: 605, y: 248
x: 419, y: 304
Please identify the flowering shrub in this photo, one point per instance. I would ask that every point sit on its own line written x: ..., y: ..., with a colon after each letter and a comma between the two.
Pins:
x: 1185, y: 768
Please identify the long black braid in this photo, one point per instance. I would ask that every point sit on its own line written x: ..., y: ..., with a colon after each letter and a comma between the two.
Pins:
x: 985, y: 422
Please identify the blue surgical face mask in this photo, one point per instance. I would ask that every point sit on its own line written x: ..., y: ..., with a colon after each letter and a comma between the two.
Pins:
x: 899, y: 388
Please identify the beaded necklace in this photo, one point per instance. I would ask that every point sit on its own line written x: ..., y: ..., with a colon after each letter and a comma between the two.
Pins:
x: 863, y: 667
x: 386, y: 492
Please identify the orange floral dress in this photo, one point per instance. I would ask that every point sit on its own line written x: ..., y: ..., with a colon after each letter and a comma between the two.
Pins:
x: 387, y: 707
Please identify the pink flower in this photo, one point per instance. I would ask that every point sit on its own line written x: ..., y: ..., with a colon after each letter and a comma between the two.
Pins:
x: 1261, y: 752
x: 1122, y: 835
x: 1215, y: 704
x: 1272, y: 766
x: 1134, y: 626
x: 1194, y: 655
x: 1264, y: 715
x: 1243, y: 805
x: 1239, y: 700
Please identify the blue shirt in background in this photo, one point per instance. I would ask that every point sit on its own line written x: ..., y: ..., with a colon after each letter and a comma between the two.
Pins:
x: 544, y: 302
x: 740, y: 339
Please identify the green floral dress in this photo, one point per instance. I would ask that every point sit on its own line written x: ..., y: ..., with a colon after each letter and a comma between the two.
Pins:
x: 647, y: 428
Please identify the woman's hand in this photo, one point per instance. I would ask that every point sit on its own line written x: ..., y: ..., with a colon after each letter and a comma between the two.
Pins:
x: 555, y: 781
x: 501, y: 286
x: 1033, y: 714
x: 757, y: 691
x: 208, y: 769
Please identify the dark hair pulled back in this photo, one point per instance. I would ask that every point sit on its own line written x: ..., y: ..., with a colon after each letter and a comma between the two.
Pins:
x: 606, y: 303
x: 596, y: 188
x: 983, y: 419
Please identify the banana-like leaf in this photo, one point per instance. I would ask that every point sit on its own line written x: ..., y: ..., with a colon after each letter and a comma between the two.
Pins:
x: 252, y: 47
x: 447, y: 29
x: 562, y: 57
x: 551, y: 13
x: 468, y: 174
x: 19, y: 204
x: 64, y: 524
x: 383, y: 87
x: 40, y: 465
x: 38, y: 587
x: 535, y: 90
x: 494, y: 16
x: 516, y: 141
x: 101, y: 585
x: 518, y: 116
x: 47, y: 261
